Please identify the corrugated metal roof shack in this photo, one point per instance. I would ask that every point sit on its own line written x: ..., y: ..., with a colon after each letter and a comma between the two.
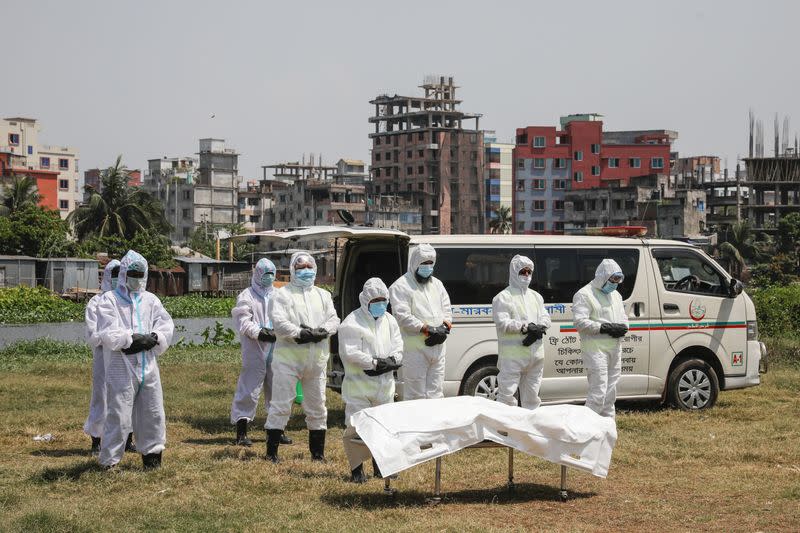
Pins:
x: 68, y: 274
x: 166, y: 281
x: 17, y: 270
x: 206, y: 275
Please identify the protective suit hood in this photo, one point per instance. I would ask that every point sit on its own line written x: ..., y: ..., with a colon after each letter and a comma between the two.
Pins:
x: 295, y: 258
x: 130, y: 259
x: 263, y: 266
x: 105, y: 284
x: 373, y: 288
x: 606, y: 269
x: 420, y: 254
x: 518, y: 262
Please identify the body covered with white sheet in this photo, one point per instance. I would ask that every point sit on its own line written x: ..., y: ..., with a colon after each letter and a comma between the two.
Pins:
x: 133, y: 382
x: 420, y: 301
x: 514, y: 309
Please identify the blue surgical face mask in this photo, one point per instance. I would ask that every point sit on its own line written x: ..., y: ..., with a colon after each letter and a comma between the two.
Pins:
x: 609, y: 287
x: 134, y: 284
x: 425, y: 270
x: 305, y: 277
x: 378, y: 309
x: 267, y: 278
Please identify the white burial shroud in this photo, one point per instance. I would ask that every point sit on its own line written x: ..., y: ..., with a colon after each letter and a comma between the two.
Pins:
x: 404, y: 434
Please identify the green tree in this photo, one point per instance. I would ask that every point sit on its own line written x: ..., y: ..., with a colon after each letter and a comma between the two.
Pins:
x: 20, y: 193
x: 788, y: 235
x: 119, y: 209
x: 502, y: 223
x: 35, y: 231
x: 203, y: 240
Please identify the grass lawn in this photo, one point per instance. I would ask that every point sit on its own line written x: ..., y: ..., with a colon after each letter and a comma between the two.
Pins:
x: 735, y: 467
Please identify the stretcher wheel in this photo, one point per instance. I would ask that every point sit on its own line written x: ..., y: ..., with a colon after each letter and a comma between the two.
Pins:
x: 563, y: 496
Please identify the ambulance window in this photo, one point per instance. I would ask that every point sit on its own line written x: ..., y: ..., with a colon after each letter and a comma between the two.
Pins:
x: 556, y: 274
x: 475, y: 275
x: 626, y: 258
x: 686, y: 271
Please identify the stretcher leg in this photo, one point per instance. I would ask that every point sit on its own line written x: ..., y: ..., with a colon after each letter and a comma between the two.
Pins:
x: 437, y: 485
x: 387, y: 487
x: 510, y: 469
x: 563, y: 492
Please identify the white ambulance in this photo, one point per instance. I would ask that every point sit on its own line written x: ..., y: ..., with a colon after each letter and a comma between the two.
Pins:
x: 693, y: 332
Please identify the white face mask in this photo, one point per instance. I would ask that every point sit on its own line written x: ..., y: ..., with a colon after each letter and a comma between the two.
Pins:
x: 134, y: 284
x: 525, y: 279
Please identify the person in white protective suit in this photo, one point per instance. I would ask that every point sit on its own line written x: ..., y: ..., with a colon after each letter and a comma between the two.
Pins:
x: 258, y: 341
x: 303, y: 318
x: 135, y: 329
x: 421, y: 306
x: 521, y: 321
x: 97, y: 404
x: 601, y: 321
x: 371, y: 348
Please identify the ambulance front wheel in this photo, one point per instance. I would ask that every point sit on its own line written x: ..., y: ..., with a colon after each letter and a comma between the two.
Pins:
x: 693, y: 385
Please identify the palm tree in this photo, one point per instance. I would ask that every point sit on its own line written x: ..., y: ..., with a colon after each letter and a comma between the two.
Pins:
x: 119, y: 209
x: 502, y: 222
x: 20, y: 193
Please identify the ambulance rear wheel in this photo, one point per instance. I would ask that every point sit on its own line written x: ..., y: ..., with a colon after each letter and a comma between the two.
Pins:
x: 693, y: 385
x: 482, y: 382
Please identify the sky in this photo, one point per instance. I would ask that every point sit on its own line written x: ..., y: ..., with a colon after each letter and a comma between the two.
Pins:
x: 284, y: 79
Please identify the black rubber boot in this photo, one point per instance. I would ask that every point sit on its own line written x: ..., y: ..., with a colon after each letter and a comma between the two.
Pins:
x: 151, y: 461
x: 129, y: 445
x: 316, y: 444
x: 241, y: 433
x: 285, y: 439
x: 357, y: 475
x: 95, y: 445
x: 273, y: 441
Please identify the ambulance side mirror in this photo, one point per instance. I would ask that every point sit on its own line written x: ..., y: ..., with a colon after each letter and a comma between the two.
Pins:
x: 735, y: 288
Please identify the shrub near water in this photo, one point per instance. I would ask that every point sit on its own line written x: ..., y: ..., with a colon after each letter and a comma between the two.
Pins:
x: 778, y: 311
x: 29, y: 305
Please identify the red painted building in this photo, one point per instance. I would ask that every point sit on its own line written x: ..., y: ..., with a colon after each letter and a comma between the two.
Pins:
x: 549, y: 161
x: 46, y: 180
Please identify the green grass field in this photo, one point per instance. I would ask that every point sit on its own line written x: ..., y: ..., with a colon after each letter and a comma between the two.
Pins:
x: 735, y: 467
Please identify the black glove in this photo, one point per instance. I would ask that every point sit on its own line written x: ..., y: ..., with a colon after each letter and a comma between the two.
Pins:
x: 141, y: 343
x: 619, y: 330
x: 437, y: 335
x: 266, y: 335
x: 306, y: 336
x: 319, y: 334
x: 534, y: 333
x: 382, y: 366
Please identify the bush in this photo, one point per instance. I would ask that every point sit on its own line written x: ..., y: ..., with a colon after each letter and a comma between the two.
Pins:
x: 30, y: 305
x: 198, y: 306
x: 778, y: 311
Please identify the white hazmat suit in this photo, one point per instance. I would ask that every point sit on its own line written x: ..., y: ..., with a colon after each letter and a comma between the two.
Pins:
x: 250, y: 317
x: 294, y: 308
x: 133, y: 383
x: 364, y: 340
x: 591, y: 308
x: 513, y: 309
x: 97, y: 405
x: 417, y: 303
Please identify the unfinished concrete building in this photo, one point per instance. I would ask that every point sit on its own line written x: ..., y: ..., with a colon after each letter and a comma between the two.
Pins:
x: 774, y: 184
x: 425, y: 157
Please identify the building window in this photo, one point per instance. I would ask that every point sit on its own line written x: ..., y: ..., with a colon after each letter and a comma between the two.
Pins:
x: 578, y: 206
x: 13, y: 139
x: 185, y: 213
x: 44, y: 162
x: 538, y: 142
x: 63, y: 184
x: 30, y: 150
x: 578, y: 176
x: 560, y: 162
x: 539, y: 185
x: 421, y: 185
x: 255, y: 218
x: 409, y: 171
x: 421, y: 169
x: 558, y: 226
x: 377, y: 173
x: 520, y: 185
x: 617, y: 204
x: 595, y: 148
x: 592, y: 205
x: 538, y: 162
x: 453, y: 170
x: 63, y: 164
x: 520, y: 206
x: 676, y: 221
x: 630, y: 204
x: 520, y: 227
x: 595, y: 170
x: 558, y: 205
x: 657, y: 162
x: 421, y: 136
x: 538, y: 226
x: 408, y: 187
x: 538, y: 205
x: 185, y: 232
x: 520, y: 164
x: 378, y: 156
x: 377, y: 141
x: 63, y: 205
x: 421, y: 153
x: 579, y: 155
x: 560, y: 184
x: 613, y: 162
x: 635, y: 162
x: 187, y: 195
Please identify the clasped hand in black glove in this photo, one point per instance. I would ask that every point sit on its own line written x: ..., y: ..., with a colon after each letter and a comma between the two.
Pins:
x: 614, y: 330
x: 266, y: 335
x: 382, y: 366
x: 533, y: 333
x: 319, y: 334
x: 141, y: 343
x: 437, y: 335
x: 305, y: 336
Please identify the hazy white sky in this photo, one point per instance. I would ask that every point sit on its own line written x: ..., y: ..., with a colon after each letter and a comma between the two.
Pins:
x: 143, y: 78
